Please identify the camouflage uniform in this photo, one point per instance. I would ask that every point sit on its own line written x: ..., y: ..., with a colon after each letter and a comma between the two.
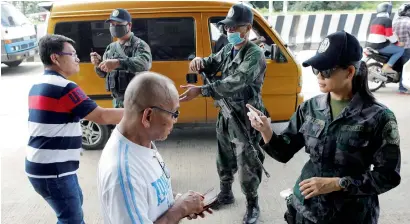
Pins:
x: 139, y: 59
x: 241, y: 83
x: 364, y: 134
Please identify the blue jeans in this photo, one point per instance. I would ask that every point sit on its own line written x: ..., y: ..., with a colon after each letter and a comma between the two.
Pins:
x: 64, y: 195
x: 394, y: 51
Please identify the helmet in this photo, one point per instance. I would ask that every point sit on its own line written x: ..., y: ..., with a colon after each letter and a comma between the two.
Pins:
x: 384, y: 7
x: 404, y: 10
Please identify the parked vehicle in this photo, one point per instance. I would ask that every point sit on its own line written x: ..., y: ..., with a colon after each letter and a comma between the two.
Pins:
x: 18, y: 36
x: 176, y: 32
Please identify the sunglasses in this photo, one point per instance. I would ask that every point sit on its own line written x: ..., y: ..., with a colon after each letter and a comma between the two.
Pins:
x: 173, y: 114
x: 327, y: 73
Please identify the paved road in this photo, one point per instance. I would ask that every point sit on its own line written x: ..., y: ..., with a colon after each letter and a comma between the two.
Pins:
x: 191, y: 160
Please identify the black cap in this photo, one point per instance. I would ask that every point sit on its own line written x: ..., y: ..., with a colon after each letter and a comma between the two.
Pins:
x: 239, y: 14
x: 119, y: 15
x: 340, y: 48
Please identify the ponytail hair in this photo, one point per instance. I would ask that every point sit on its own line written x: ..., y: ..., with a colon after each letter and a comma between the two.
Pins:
x: 359, y: 82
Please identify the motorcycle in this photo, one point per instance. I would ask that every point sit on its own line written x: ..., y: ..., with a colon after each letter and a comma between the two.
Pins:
x: 376, y: 77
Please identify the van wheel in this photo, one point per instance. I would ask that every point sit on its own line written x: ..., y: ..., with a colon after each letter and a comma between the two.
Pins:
x: 95, y: 136
x: 13, y: 63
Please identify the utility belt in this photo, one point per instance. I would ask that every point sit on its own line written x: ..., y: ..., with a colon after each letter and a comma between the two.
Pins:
x: 117, y: 82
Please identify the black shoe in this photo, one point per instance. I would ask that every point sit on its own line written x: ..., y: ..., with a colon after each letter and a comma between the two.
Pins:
x: 225, y: 197
x: 252, y: 211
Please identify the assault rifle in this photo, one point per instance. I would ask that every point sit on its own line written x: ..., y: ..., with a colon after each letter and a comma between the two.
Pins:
x: 239, y: 127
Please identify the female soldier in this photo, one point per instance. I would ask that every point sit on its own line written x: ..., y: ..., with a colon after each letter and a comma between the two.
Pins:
x: 345, y: 132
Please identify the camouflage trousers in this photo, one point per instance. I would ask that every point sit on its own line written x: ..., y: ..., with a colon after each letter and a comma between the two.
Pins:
x: 116, y: 103
x: 233, y: 154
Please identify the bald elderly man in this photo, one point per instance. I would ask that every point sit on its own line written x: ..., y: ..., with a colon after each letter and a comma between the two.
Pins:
x: 134, y: 184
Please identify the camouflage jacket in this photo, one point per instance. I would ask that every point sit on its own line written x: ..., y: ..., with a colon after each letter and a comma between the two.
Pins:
x: 139, y: 56
x: 364, y: 134
x: 242, y: 76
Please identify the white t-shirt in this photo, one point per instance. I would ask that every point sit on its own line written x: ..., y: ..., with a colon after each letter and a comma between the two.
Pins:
x: 132, y: 185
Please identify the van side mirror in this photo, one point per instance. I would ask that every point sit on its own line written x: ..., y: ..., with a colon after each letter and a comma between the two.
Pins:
x: 276, y: 54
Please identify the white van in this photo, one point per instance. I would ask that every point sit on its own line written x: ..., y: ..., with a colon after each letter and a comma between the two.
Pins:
x: 18, y: 36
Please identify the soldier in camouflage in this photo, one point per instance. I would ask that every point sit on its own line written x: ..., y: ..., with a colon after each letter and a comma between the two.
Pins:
x: 345, y: 132
x: 243, y: 68
x: 122, y: 59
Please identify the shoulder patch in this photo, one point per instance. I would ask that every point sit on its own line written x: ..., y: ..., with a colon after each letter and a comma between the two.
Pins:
x: 390, y: 133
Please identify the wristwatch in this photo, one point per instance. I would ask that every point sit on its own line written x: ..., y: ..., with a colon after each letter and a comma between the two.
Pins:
x: 344, y: 182
x: 205, y: 90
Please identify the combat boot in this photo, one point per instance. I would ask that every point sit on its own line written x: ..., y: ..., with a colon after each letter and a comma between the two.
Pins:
x: 252, y: 211
x: 225, y: 196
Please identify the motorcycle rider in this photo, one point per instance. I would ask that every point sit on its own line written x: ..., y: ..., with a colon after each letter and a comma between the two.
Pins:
x: 382, y: 38
x: 401, y: 28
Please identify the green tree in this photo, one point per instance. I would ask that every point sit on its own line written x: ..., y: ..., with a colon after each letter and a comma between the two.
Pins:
x: 325, y: 5
x: 277, y: 6
x: 27, y: 7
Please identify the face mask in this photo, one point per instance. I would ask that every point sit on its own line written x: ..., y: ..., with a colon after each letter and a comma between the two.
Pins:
x: 235, y: 38
x: 118, y: 31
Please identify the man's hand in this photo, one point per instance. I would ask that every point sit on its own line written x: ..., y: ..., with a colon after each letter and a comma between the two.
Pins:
x: 95, y: 58
x: 191, y: 92
x: 400, y: 44
x: 317, y: 185
x: 202, y: 214
x: 178, y: 195
x: 109, y: 65
x: 196, y: 64
x: 189, y: 203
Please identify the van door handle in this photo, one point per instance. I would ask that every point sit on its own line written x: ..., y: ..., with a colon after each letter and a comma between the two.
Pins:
x: 191, y: 78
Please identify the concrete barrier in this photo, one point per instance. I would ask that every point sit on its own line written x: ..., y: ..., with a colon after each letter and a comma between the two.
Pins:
x: 305, y: 32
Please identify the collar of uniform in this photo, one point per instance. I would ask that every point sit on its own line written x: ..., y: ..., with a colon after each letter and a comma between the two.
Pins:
x: 322, y: 102
x: 239, y: 56
x: 354, y: 106
x: 129, y: 41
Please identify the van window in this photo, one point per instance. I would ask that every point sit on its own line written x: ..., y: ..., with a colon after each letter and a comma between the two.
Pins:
x: 170, y: 39
x: 217, y: 39
x: 88, y: 35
